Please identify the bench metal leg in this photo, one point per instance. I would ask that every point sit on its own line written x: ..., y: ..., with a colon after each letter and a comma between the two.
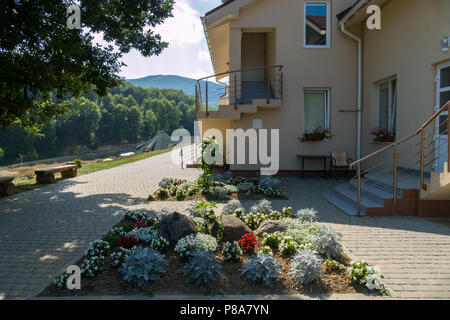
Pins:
x: 45, y: 178
x: 7, y: 188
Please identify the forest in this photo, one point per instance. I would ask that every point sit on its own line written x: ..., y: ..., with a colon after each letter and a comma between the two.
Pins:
x: 127, y: 114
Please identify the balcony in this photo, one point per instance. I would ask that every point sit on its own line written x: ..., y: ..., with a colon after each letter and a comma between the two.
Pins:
x: 228, y: 95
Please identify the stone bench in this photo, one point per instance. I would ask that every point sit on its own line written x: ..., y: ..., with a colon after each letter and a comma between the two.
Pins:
x: 6, y: 185
x: 48, y: 175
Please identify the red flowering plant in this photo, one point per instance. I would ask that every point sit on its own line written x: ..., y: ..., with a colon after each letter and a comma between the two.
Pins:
x: 140, y: 224
x: 248, y: 242
x: 318, y: 134
x: 127, y: 242
x: 381, y: 134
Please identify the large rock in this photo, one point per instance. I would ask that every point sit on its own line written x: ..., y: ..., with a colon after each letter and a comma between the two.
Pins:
x: 270, y: 226
x: 233, y: 228
x: 175, y: 226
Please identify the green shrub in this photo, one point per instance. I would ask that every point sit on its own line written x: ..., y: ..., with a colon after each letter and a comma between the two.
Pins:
x: 272, y: 240
x: 78, y: 162
x: 162, y: 193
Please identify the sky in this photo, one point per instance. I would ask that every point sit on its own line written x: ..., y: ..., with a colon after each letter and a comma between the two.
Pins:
x: 187, y: 54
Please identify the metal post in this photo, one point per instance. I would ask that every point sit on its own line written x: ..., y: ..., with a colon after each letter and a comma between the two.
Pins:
x: 196, y: 97
x: 206, y: 92
x: 281, y: 86
x: 395, y: 177
x: 235, y: 90
x: 268, y: 91
x: 422, y: 158
x: 359, y: 190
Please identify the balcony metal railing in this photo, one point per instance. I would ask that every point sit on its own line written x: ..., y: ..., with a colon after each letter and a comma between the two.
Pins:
x: 239, y: 87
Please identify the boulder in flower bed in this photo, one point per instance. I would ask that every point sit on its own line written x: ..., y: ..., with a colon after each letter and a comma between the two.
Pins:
x: 175, y: 226
x: 270, y: 226
x: 233, y: 228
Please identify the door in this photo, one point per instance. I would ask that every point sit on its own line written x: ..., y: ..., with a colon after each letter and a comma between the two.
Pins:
x: 441, y: 133
x: 253, y: 49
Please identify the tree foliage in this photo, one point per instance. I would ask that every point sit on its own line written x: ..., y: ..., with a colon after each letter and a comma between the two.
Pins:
x: 125, y: 114
x: 43, y: 61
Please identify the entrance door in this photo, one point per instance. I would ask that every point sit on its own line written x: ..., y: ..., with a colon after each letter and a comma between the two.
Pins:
x: 442, y: 97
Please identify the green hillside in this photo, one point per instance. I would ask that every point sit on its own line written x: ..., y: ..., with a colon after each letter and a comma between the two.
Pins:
x: 171, y: 82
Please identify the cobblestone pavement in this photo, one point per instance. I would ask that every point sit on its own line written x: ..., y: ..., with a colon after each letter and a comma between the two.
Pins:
x: 44, y: 230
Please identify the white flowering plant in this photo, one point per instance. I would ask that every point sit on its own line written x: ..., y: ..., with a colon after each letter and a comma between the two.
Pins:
x: 92, y: 266
x: 272, y: 240
x: 119, y: 257
x: 265, y: 250
x: 253, y: 220
x: 287, y: 245
x: 370, y: 276
x: 97, y: 248
x: 136, y: 215
x: 161, y: 244
x: 275, y: 215
x: 287, y: 212
x: 232, y: 251
x: 195, y: 242
x: 145, y: 235
x: 61, y: 280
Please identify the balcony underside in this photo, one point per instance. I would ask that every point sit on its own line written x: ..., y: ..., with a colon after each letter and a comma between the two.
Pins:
x: 231, y: 112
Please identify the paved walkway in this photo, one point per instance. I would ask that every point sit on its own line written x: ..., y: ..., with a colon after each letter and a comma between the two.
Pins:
x: 44, y: 230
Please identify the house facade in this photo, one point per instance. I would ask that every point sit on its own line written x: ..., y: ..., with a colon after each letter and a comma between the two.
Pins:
x: 300, y: 65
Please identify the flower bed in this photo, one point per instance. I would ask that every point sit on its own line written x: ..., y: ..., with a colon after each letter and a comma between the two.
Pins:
x: 305, y: 258
x: 221, y: 187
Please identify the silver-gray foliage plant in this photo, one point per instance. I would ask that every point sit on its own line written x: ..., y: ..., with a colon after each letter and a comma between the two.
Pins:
x: 327, y: 242
x: 306, y: 215
x: 269, y: 182
x: 202, y: 268
x: 262, y: 268
x: 143, y: 265
x: 231, y: 206
x: 263, y: 206
x: 306, y: 267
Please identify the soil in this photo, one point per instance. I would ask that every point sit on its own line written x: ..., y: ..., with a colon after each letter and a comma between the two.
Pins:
x: 110, y: 282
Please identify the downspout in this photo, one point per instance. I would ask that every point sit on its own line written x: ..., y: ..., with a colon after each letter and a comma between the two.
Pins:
x: 359, y: 111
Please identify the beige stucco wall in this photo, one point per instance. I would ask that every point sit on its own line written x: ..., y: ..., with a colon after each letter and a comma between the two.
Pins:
x: 332, y: 68
x: 408, y: 47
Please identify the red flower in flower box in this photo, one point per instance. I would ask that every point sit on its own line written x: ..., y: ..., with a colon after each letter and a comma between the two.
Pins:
x: 318, y: 134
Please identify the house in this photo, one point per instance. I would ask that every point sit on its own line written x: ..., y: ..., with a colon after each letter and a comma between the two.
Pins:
x: 297, y: 65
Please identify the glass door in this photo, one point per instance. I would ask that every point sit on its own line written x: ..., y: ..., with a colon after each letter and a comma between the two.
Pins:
x: 442, y: 97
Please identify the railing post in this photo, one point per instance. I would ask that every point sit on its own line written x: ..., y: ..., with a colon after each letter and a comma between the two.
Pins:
x: 196, y: 96
x: 395, y: 178
x: 235, y: 90
x: 448, y: 145
x: 281, y: 85
x: 422, y: 158
x: 268, y: 91
x: 206, y: 97
x: 359, y: 191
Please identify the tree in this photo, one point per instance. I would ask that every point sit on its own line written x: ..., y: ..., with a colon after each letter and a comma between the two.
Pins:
x: 2, y: 153
x: 43, y: 61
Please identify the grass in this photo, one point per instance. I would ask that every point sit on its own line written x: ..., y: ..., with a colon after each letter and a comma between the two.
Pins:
x: 23, y: 183
x: 111, y: 164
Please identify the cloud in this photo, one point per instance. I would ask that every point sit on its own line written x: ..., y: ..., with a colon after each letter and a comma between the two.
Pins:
x: 203, y: 55
x: 184, y: 27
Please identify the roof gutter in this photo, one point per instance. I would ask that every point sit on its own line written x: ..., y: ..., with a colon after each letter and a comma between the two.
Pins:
x: 359, y: 111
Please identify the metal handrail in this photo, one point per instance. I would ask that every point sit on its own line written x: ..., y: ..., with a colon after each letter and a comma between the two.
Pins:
x: 421, y: 132
x: 233, y: 91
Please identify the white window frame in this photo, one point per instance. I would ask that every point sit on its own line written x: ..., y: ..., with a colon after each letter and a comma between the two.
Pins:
x: 328, y: 41
x: 379, y: 84
x: 327, y: 106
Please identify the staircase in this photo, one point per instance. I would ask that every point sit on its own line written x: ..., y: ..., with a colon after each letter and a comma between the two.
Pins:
x: 383, y: 188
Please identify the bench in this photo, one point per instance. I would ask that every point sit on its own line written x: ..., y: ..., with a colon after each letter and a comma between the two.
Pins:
x: 48, y: 175
x: 6, y: 185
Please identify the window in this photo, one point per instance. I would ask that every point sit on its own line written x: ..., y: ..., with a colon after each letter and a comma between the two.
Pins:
x: 316, y: 110
x: 316, y: 25
x: 387, y: 105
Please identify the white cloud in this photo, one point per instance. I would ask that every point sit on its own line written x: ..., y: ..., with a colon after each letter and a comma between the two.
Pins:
x: 203, y: 55
x: 184, y: 27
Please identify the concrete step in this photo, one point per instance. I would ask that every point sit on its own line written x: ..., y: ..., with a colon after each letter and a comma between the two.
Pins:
x: 377, y: 189
x: 343, y: 203
x: 368, y: 200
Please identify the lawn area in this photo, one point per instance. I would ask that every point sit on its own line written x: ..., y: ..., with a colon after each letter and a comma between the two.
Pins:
x: 28, y: 182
